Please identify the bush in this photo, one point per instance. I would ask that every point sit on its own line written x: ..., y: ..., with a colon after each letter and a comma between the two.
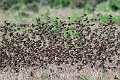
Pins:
x: 16, y: 4
x: 28, y: 1
x: 77, y: 3
x: 95, y: 2
x: 33, y: 7
x: 23, y: 14
x: 104, y: 6
x: 114, y: 4
x: 44, y: 2
x: 88, y: 8
x: 6, y: 4
x: 59, y: 3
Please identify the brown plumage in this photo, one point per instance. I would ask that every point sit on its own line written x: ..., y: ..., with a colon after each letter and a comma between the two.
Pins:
x: 72, y: 43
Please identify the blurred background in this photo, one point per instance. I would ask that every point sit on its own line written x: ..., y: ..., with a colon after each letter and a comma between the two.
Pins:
x: 27, y: 10
x: 34, y: 4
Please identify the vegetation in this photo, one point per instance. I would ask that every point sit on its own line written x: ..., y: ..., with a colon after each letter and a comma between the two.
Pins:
x: 77, y: 3
x: 81, y: 78
x: 6, y: 4
x: 114, y: 5
x: 45, y: 76
x: 59, y: 3
x: 16, y: 78
x: 104, y: 71
x: 33, y: 4
x: 33, y: 7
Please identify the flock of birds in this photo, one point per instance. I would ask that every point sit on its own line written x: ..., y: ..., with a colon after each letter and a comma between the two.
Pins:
x: 43, y: 43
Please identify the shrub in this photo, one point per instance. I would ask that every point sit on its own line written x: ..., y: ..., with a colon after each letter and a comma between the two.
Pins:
x: 23, y: 14
x: 114, y: 4
x: 88, y: 8
x: 27, y: 1
x: 17, y: 6
x: 77, y: 3
x: 6, y: 4
x: 95, y: 2
x: 33, y: 6
x: 59, y: 3
x: 104, y: 6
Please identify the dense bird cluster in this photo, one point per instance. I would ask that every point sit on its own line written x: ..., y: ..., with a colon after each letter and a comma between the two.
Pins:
x: 57, y: 42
